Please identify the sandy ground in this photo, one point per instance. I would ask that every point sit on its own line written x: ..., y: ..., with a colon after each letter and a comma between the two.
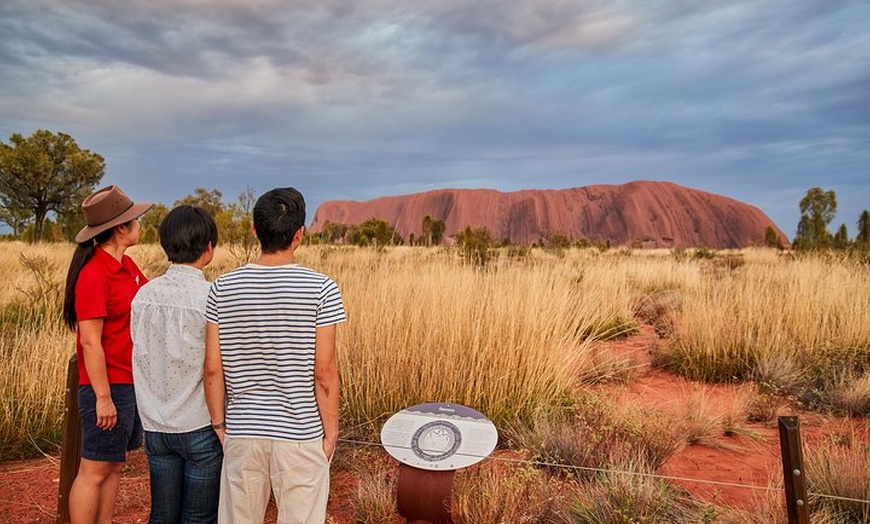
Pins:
x: 725, y: 471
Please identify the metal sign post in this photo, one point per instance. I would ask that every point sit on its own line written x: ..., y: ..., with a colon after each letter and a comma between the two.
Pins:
x: 431, y: 441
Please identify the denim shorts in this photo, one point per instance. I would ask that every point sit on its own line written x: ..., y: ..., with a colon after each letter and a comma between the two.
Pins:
x: 111, y: 445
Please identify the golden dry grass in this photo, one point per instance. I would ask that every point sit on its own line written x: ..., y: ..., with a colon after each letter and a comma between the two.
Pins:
x: 512, y: 339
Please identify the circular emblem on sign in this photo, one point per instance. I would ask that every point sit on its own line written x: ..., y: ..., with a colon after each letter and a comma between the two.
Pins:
x: 439, y: 436
x: 436, y: 441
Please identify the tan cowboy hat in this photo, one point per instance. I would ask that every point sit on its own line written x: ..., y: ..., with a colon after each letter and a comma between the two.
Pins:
x: 107, y: 208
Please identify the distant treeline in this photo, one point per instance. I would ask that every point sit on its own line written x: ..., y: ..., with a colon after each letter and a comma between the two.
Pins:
x: 45, y: 177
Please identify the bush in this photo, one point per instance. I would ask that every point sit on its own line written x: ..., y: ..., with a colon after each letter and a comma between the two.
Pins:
x: 596, y: 434
x: 631, y: 495
x: 513, y: 493
x: 475, y: 245
x: 841, y: 469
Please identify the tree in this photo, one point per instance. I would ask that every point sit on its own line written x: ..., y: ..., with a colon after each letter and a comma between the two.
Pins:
x: 863, y: 236
x: 818, y: 209
x: 475, y: 245
x: 841, y: 237
x: 333, y: 233
x: 16, y: 218
x: 375, y: 231
x: 44, y: 173
x: 771, y: 238
x: 433, y: 231
x: 208, y: 200
x: 150, y: 224
x: 234, y: 227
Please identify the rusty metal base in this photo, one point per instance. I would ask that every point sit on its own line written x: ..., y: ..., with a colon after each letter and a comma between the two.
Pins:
x: 424, y: 495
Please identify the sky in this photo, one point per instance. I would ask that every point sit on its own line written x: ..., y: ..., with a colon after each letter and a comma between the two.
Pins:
x: 352, y: 100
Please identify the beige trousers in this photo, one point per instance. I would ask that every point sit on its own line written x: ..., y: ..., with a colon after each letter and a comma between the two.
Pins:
x: 296, y: 472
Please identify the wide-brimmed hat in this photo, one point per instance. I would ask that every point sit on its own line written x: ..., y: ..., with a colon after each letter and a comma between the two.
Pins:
x: 107, y: 208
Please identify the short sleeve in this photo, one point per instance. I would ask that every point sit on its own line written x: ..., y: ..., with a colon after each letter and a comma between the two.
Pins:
x: 211, y: 309
x: 330, y: 306
x: 92, y: 296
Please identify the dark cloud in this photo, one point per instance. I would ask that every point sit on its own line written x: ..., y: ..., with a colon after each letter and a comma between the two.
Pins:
x: 757, y: 100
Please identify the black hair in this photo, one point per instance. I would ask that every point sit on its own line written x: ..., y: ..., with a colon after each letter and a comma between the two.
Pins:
x: 186, y: 232
x: 83, y: 253
x: 278, y: 215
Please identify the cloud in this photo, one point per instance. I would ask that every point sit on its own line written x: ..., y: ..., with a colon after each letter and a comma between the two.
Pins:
x: 754, y: 98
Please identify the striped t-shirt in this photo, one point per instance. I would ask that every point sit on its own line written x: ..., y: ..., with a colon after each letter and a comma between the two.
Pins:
x: 267, y: 317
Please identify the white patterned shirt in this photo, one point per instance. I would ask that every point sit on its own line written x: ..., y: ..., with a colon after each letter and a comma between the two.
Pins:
x: 168, y: 327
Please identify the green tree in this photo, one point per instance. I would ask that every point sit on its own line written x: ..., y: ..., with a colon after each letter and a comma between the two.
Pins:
x: 771, y: 239
x: 561, y: 241
x: 818, y: 208
x: 16, y: 218
x: 863, y: 236
x: 378, y: 232
x: 433, y: 231
x: 841, y: 237
x: 234, y: 227
x: 208, y: 200
x: 426, y: 236
x: 333, y: 233
x: 70, y: 223
x: 51, y: 232
x: 150, y: 224
x: 44, y: 173
x: 475, y: 245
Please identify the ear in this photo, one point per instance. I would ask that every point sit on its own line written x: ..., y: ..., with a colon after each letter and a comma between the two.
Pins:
x: 300, y: 234
x: 207, y: 255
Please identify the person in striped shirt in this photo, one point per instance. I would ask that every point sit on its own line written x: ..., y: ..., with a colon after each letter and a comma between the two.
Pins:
x: 271, y: 373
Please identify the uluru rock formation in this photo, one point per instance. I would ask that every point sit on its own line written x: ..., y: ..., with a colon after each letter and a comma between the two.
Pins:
x: 648, y: 213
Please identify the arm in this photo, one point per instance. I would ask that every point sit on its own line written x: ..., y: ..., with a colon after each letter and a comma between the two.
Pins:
x: 213, y: 370
x: 91, y: 335
x: 326, y: 385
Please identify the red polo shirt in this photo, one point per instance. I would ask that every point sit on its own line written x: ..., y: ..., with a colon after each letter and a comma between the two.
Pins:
x: 105, y: 290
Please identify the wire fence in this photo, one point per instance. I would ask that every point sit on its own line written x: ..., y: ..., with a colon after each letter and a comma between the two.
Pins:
x: 624, y: 472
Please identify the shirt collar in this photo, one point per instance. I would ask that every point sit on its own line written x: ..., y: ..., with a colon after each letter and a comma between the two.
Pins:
x: 184, y: 270
x: 108, y: 261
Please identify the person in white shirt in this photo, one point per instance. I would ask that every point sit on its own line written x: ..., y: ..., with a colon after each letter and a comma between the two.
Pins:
x: 168, y: 329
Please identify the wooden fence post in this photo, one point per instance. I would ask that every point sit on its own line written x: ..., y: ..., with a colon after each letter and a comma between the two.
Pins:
x: 793, y: 471
x: 70, y: 447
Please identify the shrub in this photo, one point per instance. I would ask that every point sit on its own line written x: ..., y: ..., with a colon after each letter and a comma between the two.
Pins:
x: 475, y: 245
x: 631, y: 495
x: 596, y: 434
x: 514, y: 493
x: 375, y: 497
x: 841, y: 469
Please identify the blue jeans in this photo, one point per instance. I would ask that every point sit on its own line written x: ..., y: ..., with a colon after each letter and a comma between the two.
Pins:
x: 185, y: 476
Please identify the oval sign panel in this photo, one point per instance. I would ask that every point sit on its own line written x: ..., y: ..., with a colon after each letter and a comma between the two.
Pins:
x: 439, y: 437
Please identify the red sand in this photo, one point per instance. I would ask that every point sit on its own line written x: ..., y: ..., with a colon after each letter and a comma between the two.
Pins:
x: 28, y: 489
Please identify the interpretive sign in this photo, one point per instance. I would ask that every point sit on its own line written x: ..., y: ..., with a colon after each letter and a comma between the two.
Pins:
x: 439, y: 437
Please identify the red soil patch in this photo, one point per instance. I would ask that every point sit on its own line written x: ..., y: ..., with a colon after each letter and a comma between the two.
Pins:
x: 729, y: 470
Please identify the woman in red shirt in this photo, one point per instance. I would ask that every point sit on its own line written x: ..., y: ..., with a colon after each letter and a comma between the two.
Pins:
x: 100, y: 286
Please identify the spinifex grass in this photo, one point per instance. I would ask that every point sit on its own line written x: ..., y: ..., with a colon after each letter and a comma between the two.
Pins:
x: 424, y: 327
x: 511, y: 339
x: 809, y: 317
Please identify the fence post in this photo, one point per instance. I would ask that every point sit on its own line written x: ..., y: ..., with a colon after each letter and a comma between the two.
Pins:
x: 793, y: 470
x: 70, y: 447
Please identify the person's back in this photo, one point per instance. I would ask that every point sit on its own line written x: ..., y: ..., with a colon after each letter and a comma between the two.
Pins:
x: 168, y: 329
x: 272, y: 373
x: 268, y: 316
x: 168, y: 325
